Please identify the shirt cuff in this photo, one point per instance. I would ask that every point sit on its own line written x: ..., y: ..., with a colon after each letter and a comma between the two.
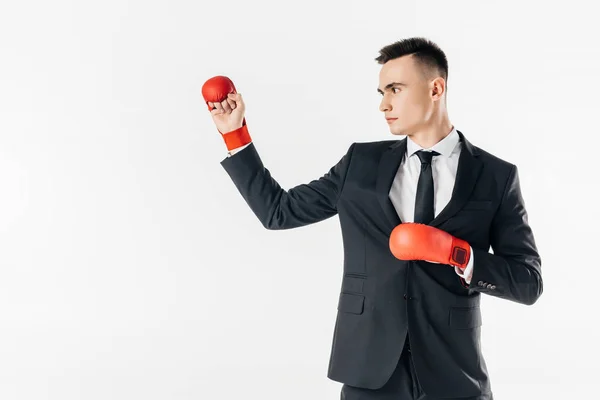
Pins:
x: 467, y: 273
x: 233, y: 151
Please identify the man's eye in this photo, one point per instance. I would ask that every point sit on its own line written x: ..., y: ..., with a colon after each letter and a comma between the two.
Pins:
x: 392, y: 89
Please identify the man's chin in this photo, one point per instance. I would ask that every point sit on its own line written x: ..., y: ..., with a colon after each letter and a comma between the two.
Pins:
x: 397, y: 132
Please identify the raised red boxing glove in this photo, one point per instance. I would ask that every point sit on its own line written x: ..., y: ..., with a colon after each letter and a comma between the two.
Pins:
x: 412, y: 241
x: 215, y: 90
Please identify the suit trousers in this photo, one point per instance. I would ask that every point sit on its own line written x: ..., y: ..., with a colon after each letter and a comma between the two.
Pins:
x: 402, y: 385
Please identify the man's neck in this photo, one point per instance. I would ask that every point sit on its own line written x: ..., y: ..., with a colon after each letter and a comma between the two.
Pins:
x: 431, y: 135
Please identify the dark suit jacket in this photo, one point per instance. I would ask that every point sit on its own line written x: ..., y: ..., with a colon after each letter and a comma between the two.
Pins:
x: 382, y: 299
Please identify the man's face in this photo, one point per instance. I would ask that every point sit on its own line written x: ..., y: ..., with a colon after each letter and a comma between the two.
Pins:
x: 411, y: 100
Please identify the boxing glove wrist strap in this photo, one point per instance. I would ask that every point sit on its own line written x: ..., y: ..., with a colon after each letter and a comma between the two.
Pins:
x: 461, y: 253
x: 237, y: 138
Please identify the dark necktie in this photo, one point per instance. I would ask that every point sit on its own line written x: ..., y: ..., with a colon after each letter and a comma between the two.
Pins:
x: 424, y: 200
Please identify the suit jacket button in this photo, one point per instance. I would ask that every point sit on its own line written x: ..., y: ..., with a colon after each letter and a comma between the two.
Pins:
x: 493, y: 287
x: 405, y: 296
x: 480, y: 283
x: 489, y: 285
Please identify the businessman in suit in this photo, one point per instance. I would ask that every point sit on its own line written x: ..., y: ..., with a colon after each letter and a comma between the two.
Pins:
x: 408, y: 327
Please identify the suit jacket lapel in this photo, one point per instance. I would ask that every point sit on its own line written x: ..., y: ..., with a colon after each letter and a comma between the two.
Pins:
x: 388, y: 167
x: 469, y: 167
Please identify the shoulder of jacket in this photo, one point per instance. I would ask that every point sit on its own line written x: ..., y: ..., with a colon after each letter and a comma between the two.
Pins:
x: 495, y: 161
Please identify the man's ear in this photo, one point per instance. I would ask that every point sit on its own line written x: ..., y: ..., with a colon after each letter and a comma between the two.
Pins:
x: 437, y: 87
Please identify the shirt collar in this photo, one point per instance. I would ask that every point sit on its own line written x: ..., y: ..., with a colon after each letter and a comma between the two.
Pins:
x: 444, y: 146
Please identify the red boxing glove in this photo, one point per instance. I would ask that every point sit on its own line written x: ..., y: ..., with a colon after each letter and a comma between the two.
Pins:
x: 412, y: 241
x: 215, y: 90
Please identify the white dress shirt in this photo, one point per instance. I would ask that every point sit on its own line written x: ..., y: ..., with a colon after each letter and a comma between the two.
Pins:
x: 404, y: 188
x: 443, y: 167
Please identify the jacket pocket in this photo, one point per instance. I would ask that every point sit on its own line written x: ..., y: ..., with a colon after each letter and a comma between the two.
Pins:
x: 465, y: 317
x: 477, y: 205
x: 351, y: 303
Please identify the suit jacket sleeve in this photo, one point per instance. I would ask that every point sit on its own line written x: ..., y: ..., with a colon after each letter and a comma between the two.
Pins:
x: 513, y: 272
x: 277, y: 208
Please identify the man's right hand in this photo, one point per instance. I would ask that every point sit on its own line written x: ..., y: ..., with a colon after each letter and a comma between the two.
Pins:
x: 228, y: 115
x: 227, y: 109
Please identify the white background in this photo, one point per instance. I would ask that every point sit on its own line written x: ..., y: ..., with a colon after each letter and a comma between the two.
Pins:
x: 132, y: 268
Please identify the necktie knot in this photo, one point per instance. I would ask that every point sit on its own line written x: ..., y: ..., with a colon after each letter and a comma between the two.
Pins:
x: 426, y: 156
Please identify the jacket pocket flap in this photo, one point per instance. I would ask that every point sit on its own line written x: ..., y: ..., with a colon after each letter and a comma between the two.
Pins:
x: 477, y: 205
x: 351, y: 303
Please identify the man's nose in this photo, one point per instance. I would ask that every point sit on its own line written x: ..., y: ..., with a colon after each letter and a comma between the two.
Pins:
x: 384, y: 106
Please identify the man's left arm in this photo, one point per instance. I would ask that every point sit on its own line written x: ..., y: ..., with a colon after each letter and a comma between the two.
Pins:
x: 513, y: 272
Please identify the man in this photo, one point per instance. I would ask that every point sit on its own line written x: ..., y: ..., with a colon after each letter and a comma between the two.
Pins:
x: 408, y: 327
